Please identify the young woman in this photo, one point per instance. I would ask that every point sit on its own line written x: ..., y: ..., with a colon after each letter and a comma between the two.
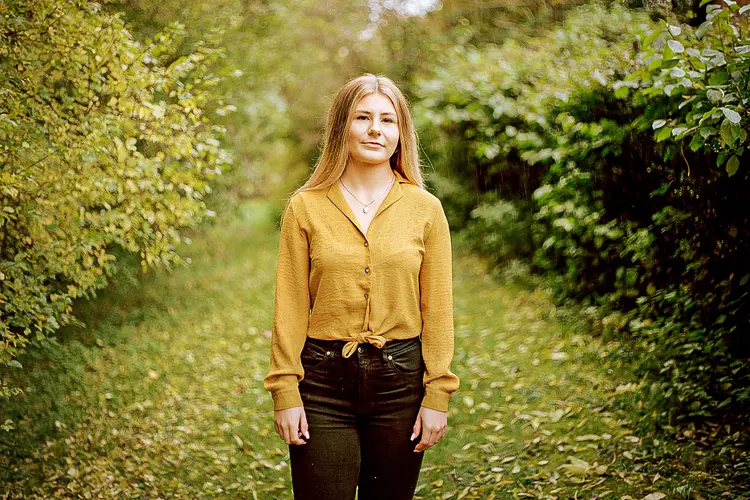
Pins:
x: 363, y: 320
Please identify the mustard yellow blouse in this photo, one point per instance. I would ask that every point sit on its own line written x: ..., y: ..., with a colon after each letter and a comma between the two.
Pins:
x: 333, y: 282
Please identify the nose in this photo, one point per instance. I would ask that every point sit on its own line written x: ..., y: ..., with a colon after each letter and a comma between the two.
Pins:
x: 374, y: 128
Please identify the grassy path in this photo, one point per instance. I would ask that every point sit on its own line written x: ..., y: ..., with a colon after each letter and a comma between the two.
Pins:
x: 161, y: 395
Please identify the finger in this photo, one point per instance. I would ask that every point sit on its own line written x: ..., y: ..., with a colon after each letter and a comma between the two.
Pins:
x: 428, y: 438
x: 292, y: 432
x: 422, y: 446
x: 417, y: 428
x: 297, y: 441
x: 442, y: 434
x: 303, y: 426
x: 279, y: 429
x: 434, y: 438
x: 424, y: 443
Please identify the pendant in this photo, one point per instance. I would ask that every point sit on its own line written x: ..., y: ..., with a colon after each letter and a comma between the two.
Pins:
x: 366, y: 209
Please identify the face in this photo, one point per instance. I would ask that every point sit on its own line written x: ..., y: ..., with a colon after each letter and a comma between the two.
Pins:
x: 373, y: 134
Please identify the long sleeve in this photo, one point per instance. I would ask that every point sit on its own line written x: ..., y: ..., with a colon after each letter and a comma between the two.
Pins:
x: 436, y: 292
x: 291, y: 313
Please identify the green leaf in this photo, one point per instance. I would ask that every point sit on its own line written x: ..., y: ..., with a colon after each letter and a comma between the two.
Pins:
x: 661, y: 190
x: 663, y: 134
x: 702, y: 29
x: 652, y: 35
x: 655, y: 64
x: 715, y: 95
x: 720, y: 159
x: 732, y: 165
x: 719, y: 78
x: 704, y: 2
x: 676, y: 46
x: 668, y: 53
x: 697, y: 142
x: 705, y: 132
x: 15, y: 364
x: 678, y: 130
x: 731, y: 115
x: 726, y: 132
x: 622, y: 92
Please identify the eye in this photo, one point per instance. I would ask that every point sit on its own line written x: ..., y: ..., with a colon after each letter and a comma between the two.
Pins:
x: 362, y: 117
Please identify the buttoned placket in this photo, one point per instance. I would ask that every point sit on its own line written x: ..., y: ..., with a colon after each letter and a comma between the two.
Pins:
x: 366, y: 335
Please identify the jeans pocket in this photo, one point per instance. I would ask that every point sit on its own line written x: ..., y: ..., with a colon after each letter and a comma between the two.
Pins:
x: 406, y: 359
x: 315, y: 356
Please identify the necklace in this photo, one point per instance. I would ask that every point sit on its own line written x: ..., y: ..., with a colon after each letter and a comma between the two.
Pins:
x: 366, y: 206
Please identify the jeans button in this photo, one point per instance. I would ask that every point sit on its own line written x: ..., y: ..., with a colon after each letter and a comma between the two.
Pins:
x: 360, y: 349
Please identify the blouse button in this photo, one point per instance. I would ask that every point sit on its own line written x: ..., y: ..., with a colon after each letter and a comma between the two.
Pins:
x: 367, y: 244
x: 367, y: 269
x: 366, y: 295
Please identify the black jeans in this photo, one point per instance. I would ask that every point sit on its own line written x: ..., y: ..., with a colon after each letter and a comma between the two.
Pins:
x: 360, y: 412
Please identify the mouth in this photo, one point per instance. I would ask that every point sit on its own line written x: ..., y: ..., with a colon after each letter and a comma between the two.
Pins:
x: 374, y: 144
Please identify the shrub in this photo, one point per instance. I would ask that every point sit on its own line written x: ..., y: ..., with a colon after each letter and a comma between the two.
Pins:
x: 631, y: 135
x: 105, y: 145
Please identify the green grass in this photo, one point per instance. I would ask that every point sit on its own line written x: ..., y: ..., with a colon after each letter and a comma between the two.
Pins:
x: 161, y: 395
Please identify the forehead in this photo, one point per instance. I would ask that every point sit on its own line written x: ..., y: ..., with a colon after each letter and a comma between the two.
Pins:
x: 376, y: 103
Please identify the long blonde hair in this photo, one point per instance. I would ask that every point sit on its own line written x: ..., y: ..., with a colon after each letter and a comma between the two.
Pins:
x: 333, y: 159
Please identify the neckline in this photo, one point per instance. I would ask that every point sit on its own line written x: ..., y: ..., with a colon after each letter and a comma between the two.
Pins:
x: 336, y: 195
x: 365, y: 207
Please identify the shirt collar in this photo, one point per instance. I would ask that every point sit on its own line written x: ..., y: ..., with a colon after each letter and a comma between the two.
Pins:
x: 394, y: 194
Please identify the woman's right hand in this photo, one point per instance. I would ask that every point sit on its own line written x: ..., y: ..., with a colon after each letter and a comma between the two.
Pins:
x: 291, y: 425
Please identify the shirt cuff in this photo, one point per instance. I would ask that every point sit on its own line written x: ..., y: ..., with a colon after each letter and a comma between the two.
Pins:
x: 287, y: 398
x: 436, y: 400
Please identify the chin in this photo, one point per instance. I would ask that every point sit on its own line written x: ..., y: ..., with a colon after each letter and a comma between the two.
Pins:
x: 375, y: 159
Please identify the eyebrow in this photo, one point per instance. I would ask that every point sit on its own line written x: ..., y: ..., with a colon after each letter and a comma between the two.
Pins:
x: 369, y: 113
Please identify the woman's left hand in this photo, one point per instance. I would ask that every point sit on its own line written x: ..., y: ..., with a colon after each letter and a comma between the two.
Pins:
x: 432, y: 424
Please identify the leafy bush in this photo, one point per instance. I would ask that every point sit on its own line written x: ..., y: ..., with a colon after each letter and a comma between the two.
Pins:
x: 105, y: 145
x: 635, y: 162
x: 694, y: 88
x: 502, y: 229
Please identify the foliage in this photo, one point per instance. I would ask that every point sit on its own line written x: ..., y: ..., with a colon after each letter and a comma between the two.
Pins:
x: 695, y: 83
x: 500, y: 105
x: 635, y: 162
x: 105, y: 148
x: 502, y: 229
x: 284, y: 60
x: 694, y: 88
x: 668, y: 254
x: 156, y: 399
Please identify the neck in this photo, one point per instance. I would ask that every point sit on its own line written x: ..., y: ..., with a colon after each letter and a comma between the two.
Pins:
x: 367, y: 178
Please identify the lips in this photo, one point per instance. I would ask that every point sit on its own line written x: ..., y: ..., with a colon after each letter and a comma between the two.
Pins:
x: 374, y: 144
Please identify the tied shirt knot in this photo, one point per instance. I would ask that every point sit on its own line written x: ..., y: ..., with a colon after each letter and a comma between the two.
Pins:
x: 366, y: 336
x: 362, y: 338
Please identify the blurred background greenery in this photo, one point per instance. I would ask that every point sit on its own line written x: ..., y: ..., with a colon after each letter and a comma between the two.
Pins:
x: 594, y: 150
